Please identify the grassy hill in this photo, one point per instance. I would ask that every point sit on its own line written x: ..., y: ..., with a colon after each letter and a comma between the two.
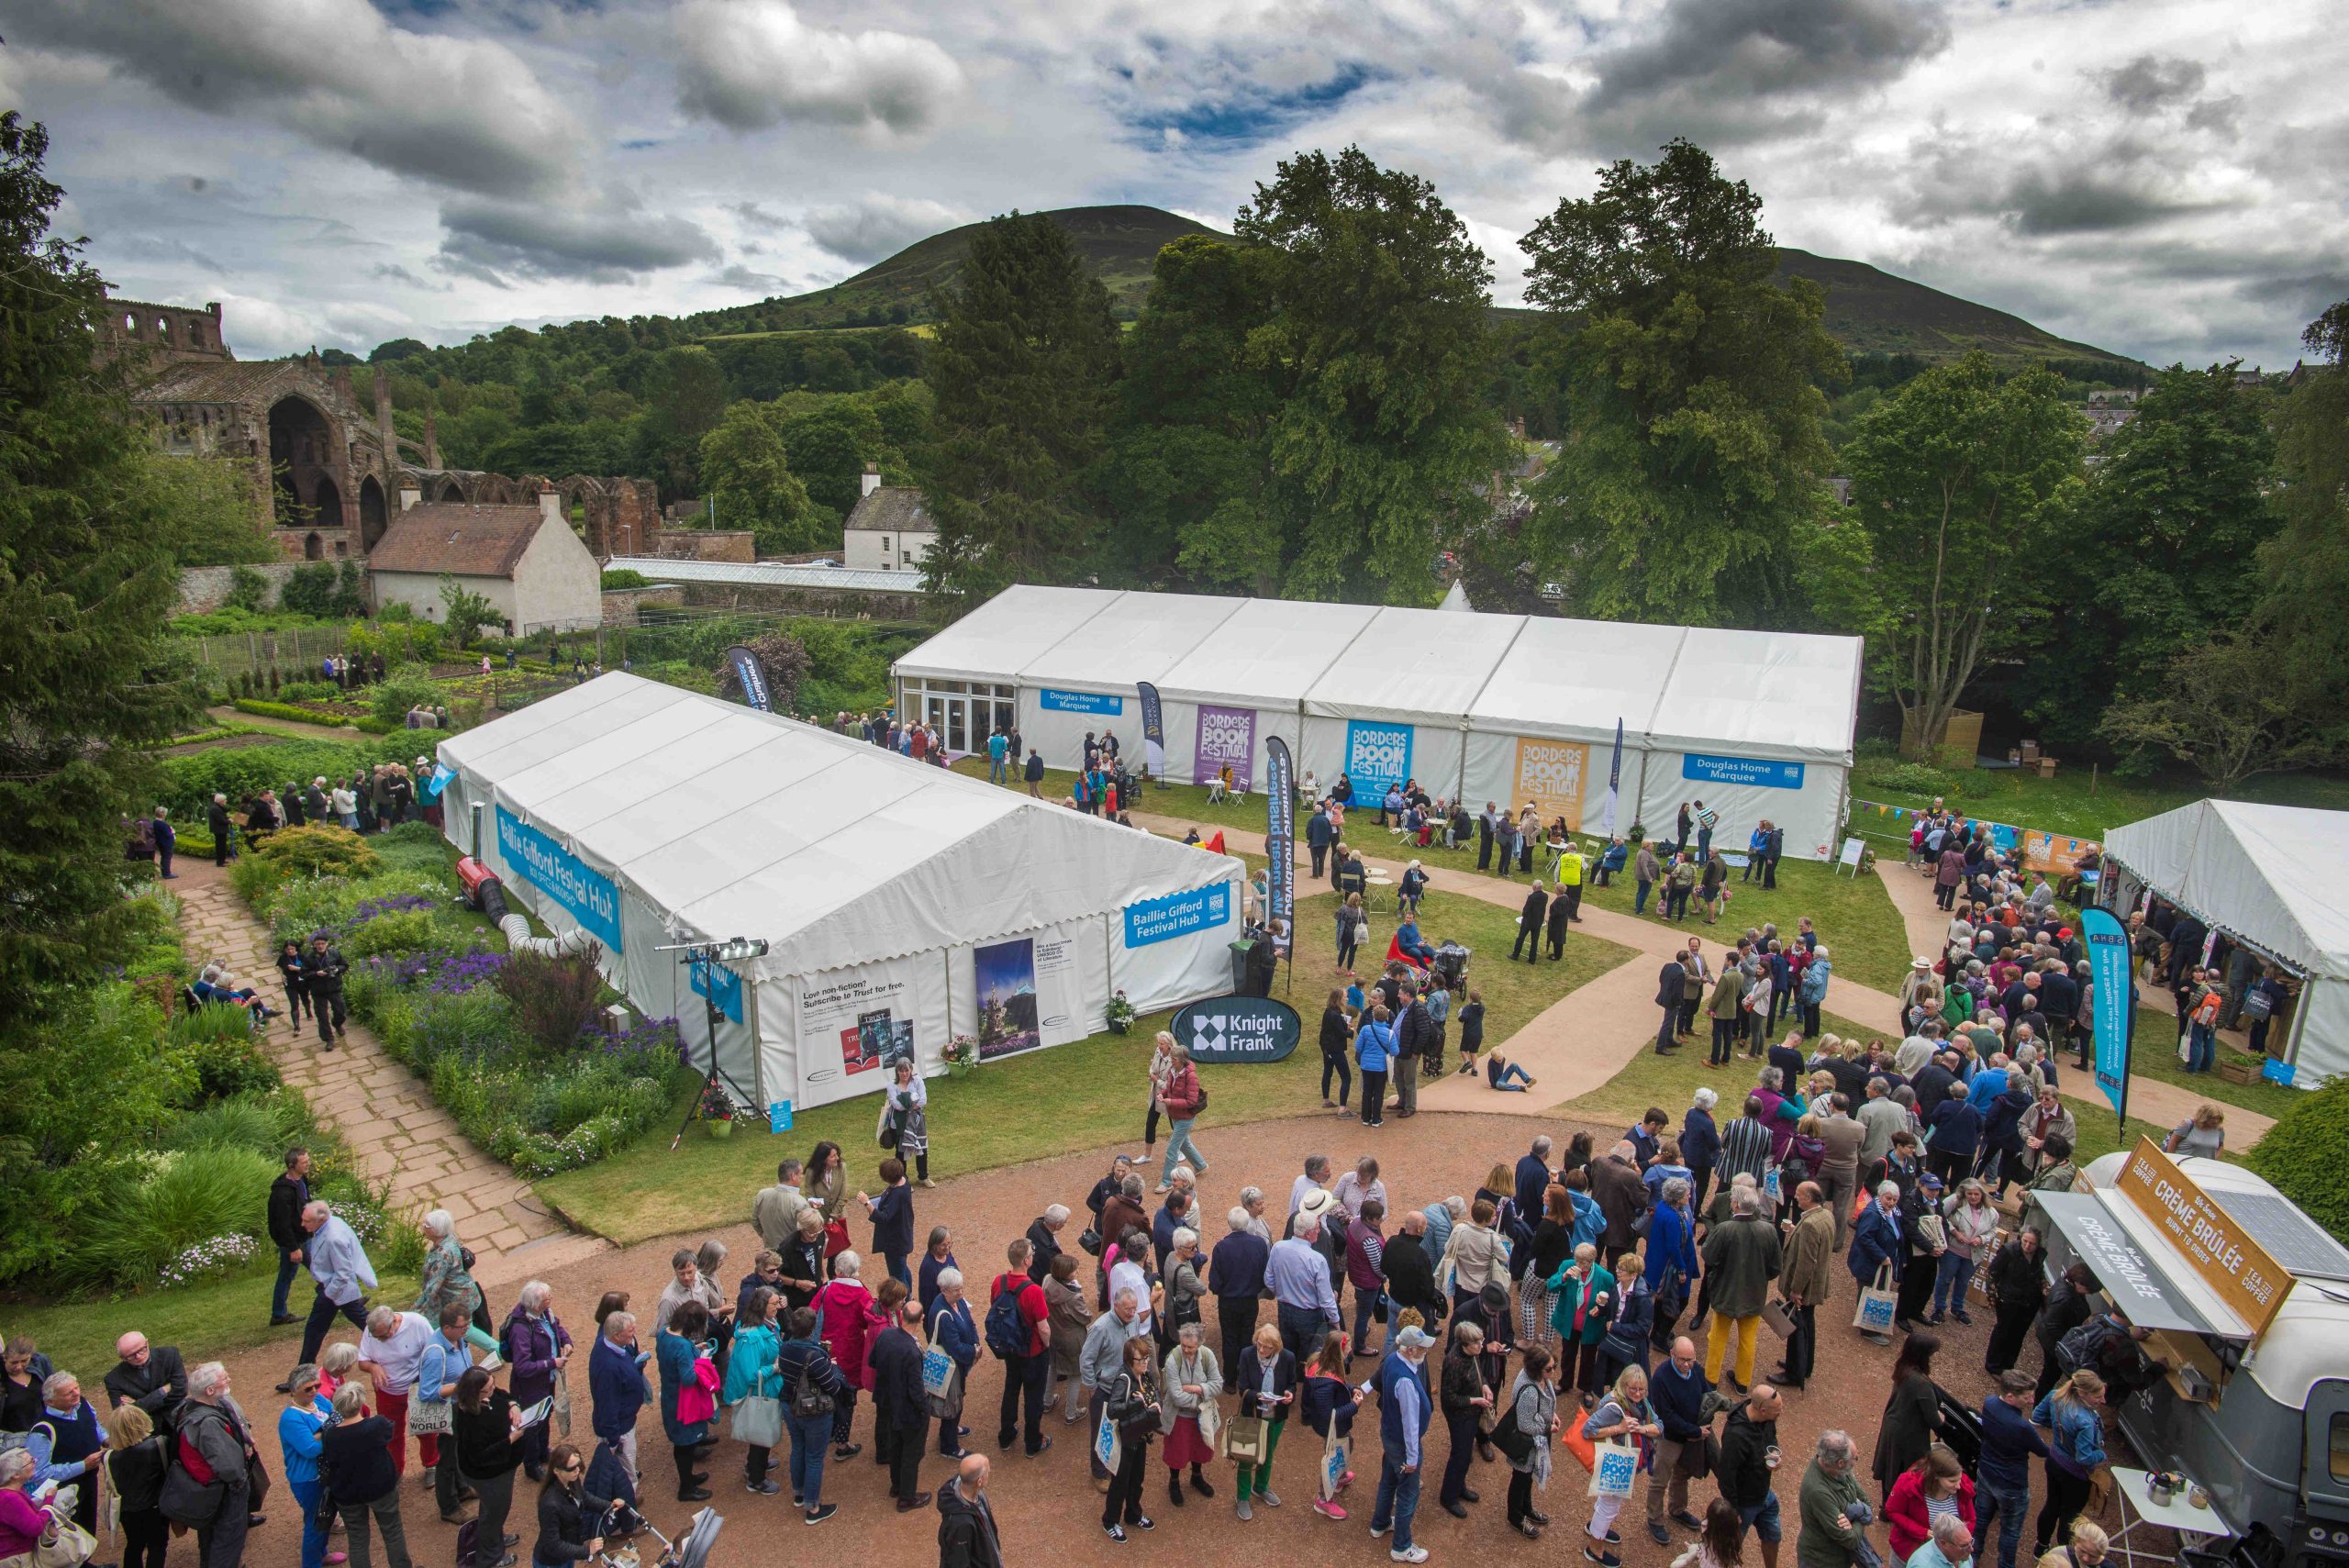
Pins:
x: 1871, y: 311
x: 1119, y: 242
x: 1868, y: 311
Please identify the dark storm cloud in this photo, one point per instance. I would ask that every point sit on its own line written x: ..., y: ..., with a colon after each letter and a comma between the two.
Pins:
x: 877, y: 226
x: 1734, y: 68
x: 498, y: 242
x: 465, y: 113
x: 2151, y: 81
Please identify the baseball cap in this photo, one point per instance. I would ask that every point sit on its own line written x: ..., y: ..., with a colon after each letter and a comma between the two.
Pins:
x: 1414, y: 1337
x: 1930, y: 1182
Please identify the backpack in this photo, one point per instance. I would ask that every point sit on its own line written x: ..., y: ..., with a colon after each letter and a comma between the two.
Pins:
x: 2081, y: 1347
x: 1006, y: 1331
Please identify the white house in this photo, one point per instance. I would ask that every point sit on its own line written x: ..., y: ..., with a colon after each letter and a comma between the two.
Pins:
x: 890, y: 528
x: 523, y: 559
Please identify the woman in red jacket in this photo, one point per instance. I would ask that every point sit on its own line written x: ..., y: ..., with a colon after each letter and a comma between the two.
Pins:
x: 1936, y: 1483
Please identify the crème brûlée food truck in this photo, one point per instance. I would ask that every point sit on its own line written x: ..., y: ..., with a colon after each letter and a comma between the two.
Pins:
x: 2245, y: 1299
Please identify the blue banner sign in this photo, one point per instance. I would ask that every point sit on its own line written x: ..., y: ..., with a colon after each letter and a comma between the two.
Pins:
x: 1177, y: 914
x: 1741, y: 770
x: 1051, y: 701
x: 729, y: 995
x: 751, y: 676
x: 1153, y: 729
x: 1377, y: 755
x: 554, y: 870
x: 1280, y: 833
x: 2116, y: 1002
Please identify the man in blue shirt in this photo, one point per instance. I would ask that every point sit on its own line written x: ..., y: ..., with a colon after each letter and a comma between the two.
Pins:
x: 1404, y: 1410
x: 998, y: 744
x: 2002, y: 1479
x: 1306, y: 1304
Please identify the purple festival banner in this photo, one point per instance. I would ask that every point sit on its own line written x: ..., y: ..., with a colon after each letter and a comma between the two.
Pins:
x: 1226, y: 735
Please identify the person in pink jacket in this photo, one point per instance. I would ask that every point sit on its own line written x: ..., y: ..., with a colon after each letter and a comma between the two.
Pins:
x: 847, y: 1317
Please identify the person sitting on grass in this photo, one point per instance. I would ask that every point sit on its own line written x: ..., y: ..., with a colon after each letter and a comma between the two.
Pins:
x: 1503, y: 1073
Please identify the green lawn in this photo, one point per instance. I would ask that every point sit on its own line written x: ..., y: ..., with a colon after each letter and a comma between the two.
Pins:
x: 2080, y: 802
x: 1855, y: 916
x: 1072, y: 1096
x: 205, y: 1321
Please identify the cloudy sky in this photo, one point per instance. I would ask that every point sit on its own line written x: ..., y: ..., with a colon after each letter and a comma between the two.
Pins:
x: 2160, y: 177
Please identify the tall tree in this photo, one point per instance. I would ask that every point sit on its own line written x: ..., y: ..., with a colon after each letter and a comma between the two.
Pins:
x: 1186, y: 479
x: 2155, y: 549
x: 2219, y: 709
x: 1693, y: 450
x: 684, y: 399
x: 2305, y: 567
x: 1376, y: 349
x: 746, y: 470
x: 87, y: 679
x: 1022, y: 371
x: 1956, y: 481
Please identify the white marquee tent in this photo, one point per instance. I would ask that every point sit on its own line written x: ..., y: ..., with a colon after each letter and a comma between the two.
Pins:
x: 895, y: 895
x: 1486, y: 706
x: 2268, y: 875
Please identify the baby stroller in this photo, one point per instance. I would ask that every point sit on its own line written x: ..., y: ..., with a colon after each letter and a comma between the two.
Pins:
x: 690, y: 1551
x: 1451, y: 960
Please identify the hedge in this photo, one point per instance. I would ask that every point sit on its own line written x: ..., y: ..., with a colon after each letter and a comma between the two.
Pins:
x: 2305, y: 1153
x: 288, y: 710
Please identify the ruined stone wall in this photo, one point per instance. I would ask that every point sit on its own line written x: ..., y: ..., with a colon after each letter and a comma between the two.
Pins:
x: 739, y: 546
x: 849, y: 602
x: 622, y: 606
x: 204, y: 589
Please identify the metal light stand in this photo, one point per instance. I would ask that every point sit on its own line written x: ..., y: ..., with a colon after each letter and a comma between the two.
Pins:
x: 711, y: 955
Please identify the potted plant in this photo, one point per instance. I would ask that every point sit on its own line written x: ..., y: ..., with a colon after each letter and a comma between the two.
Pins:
x: 718, y: 1109
x: 963, y: 1054
x: 1120, y: 1015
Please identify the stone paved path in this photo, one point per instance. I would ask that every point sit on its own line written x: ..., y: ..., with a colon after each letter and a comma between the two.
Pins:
x: 2152, y: 1100
x: 388, y: 1115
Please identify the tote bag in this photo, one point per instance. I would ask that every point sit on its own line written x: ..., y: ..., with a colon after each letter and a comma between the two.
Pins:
x: 1106, y: 1446
x: 1243, y: 1439
x: 1876, y: 1304
x: 758, y: 1420
x: 1616, y: 1466
x: 1336, y: 1457
x: 942, y: 1381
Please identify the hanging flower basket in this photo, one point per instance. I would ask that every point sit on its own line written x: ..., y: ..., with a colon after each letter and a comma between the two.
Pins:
x: 1120, y: 1015
x: 718, y: 1109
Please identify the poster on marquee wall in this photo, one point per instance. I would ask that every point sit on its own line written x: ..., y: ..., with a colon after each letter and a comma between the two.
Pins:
x: 1226, y: 737
x: 1550, y: 775
x: 850, y: 1025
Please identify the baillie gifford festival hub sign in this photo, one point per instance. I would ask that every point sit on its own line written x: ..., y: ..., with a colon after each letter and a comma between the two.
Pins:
x: 1238, y: 1028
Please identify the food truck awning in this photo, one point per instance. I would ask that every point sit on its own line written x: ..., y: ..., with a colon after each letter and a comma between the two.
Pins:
x: 2147, y: 1278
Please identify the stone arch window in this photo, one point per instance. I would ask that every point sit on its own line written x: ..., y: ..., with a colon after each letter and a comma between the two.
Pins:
x: 131, y: 324
x: 313, y: 547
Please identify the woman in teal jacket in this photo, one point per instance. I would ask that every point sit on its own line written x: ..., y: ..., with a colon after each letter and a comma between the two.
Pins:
x: 751, y: 1372
x: 1586, y: 1298
x: 677, y: 1350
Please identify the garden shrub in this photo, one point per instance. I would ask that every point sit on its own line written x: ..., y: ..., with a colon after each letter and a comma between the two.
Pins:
x: 552, y: 999
x: 260, y: 707
x: 408, y: 687
x: 2306, y: 1152
x: 309, y: 691
x: 137, y: 1226
x: 319, y: 850
x: 267, y: 1124
x: 216, y: 1048
x: 401, y: 932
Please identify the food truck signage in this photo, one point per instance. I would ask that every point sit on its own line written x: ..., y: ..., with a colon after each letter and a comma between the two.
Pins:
x: 2238, y: 1270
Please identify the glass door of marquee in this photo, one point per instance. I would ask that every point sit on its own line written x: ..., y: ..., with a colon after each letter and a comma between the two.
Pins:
x: 951, y: 718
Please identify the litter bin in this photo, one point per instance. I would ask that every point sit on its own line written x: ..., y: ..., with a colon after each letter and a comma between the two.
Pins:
x: 1239, y: 964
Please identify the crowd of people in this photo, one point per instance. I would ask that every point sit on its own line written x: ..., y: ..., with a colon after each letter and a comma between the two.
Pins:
x: 1604, y: 1300
x: 371, y: 800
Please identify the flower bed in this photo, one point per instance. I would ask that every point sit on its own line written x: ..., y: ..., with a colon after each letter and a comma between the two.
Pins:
x: 426, y: 979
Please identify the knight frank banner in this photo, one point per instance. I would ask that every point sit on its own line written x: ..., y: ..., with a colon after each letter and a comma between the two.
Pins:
x: 1227, y: 736
x: 1550, y: 774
